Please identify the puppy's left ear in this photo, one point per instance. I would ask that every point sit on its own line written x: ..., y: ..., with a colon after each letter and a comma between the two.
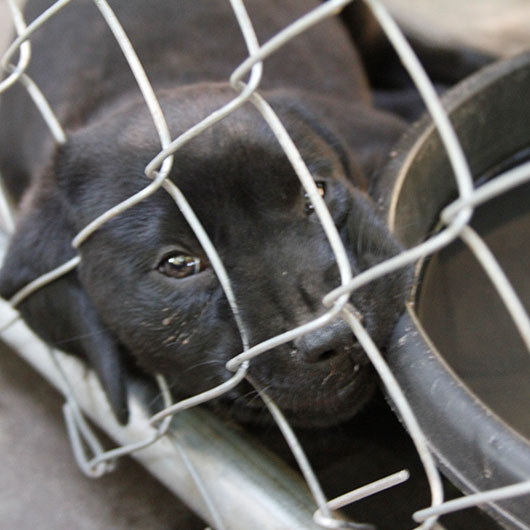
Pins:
x: 61, y: 313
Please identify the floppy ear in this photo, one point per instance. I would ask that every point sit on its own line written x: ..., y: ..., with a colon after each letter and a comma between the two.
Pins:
x: 61, y: 313
x: 362, y: 142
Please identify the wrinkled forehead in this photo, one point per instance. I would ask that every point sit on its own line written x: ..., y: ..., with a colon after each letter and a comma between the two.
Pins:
x: 240, y: 148
x: 245, y: 158
x: 237, y: 163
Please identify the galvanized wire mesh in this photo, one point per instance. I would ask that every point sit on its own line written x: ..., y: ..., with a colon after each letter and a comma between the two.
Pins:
x: 454, y: 217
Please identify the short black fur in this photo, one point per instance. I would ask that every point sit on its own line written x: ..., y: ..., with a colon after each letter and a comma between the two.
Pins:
x: 117, y: 309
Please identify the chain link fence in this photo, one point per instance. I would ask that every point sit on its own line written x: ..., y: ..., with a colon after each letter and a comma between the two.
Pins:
x: 175, y: 442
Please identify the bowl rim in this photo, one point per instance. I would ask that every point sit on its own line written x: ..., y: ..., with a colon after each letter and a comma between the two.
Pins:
x: 483, y: 452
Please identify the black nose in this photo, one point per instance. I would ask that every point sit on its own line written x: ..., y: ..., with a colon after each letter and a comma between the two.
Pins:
x: 324, y: 343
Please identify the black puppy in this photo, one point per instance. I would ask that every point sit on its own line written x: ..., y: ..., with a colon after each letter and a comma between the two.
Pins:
x: 145, y: 292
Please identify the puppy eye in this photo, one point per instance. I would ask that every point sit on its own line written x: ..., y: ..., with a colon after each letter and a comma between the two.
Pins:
x: 308, y: 206
x: 181, y: 266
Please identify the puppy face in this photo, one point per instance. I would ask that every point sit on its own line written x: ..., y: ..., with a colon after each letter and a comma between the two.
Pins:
x: 150, y: 285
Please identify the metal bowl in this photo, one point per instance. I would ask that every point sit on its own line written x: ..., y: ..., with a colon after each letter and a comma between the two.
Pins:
x: 455, y: 351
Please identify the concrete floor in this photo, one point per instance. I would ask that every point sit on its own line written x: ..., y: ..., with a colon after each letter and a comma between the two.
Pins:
x: 41, y: 486
x: 495, y: 26
x: 40, y: 483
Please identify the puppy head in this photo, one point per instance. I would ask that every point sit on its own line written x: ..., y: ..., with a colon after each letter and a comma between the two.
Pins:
x: 151, y: 288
